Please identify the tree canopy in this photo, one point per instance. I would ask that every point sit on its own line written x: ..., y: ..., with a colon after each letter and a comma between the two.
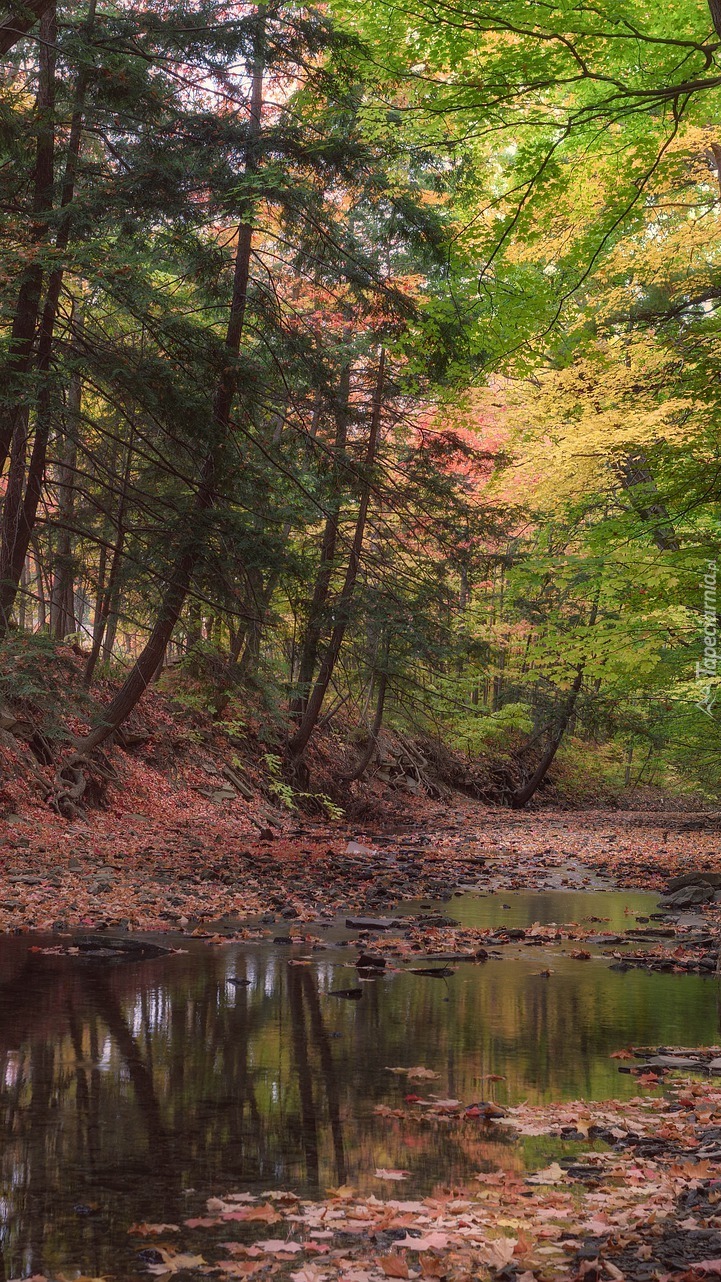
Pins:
x: 362, y: 361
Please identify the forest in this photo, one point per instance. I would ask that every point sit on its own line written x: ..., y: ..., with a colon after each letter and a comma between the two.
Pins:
x: 360, y: 373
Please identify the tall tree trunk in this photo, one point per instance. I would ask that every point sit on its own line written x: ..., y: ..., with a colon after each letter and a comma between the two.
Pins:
x: 299, y: 741
x: 14, y: 424
x: 14, y: 414
x: 62, y: 599
x: 107, y: 598
x: 192, y: 540
x: 314, y: 628
x: 367, y: 755
x: 24, y: 592
x: 523, y: 794
x: 42, y: 599
x: 19, y: 516
x: 637, y: 480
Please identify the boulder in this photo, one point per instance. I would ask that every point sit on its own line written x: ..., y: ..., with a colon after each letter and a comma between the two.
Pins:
x: 698, y: 878
x: 688, y: 896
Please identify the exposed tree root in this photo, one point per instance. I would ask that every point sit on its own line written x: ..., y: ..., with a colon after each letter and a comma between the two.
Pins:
x: 80, y: 778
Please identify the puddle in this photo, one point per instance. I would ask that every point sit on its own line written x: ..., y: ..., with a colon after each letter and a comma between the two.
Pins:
x: 618, y: 909
x: 131, y: 1091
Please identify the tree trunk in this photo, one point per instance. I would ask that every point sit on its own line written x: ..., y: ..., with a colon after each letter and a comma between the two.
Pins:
x: 299, y: 741
x: 19, y: 516
x: 108, y: 596
x: 17, y: 24
x: 634, y: 472
x: 62, y: 598
x: 367, y: 755
x: 523, y: 794
x: 192, y: 542
x: 314, y: 628
x: 14, y: 416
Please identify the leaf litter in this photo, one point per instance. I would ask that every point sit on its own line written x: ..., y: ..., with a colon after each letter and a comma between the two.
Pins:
x: 642, y: 1204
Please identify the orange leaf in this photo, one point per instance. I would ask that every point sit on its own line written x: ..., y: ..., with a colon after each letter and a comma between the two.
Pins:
x: 394, y: 1266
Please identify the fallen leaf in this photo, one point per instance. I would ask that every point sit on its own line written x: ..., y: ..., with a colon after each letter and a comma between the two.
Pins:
x: 552, y: 1174
x: 430, y: 1242
x: 173, y: 1263
x: 277, y: 1246
x: 145, y: 1230
x: 432, y: 1266
x: 499, y: 1253
x: 382, y: 1174
x: 266, y: 1213
x: 416, y: 1074
x: 309, y: 1273
x: 241, y: 1268
x: 394, y: 1266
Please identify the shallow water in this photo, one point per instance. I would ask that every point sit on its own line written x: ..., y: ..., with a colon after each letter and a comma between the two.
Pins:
x: 132, y: 1091
x: 609, y: 910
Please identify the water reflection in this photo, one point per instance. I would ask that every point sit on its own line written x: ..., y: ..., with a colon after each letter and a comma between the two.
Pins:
x: 130, y: 1092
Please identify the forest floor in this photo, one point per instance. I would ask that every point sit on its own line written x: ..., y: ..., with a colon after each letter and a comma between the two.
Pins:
x: 195, y: 863
x: 192, y: 822
x: 639, y: 1205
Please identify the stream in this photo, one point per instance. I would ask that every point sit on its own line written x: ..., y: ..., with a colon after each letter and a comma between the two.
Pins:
x: 131, y: 1091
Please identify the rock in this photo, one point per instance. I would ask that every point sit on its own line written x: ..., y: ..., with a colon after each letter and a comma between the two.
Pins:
x: 131, y: 948
x: 370, y: 961
x: 355, y: 848
x: 674, y: 1061
x: 688, y: 896
x: 223, y: 794
x: 101, y: 886
x: 696, y: 879
x: 373, y: 923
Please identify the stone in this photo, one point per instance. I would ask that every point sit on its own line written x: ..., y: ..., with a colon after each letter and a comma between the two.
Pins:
x: 675, y: 1061
x: 374, y: 923
x: 695, y: 879
x: 369, y: 961
x: 688, y: 896
x: 223, y: 794
x: 101, y: 886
